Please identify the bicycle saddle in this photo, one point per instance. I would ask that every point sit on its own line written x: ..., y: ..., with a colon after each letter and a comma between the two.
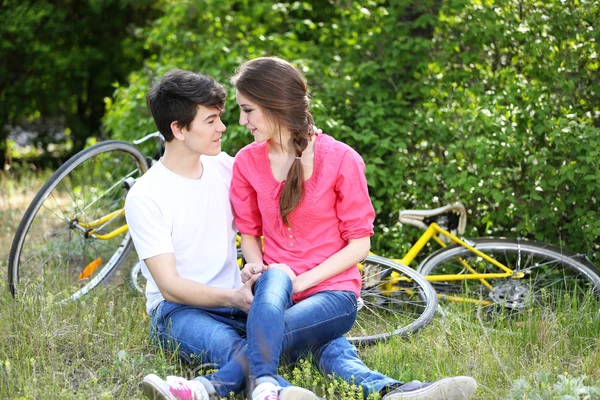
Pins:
x: 452, y: 217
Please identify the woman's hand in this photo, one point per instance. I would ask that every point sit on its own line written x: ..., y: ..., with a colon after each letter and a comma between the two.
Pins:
x: 285, y: 268
x: 252, y: 269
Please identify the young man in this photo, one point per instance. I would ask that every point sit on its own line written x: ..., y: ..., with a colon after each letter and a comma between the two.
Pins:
x: 182, y: 227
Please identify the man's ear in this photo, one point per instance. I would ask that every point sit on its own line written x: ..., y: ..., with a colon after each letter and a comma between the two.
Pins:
x: 177, y: 131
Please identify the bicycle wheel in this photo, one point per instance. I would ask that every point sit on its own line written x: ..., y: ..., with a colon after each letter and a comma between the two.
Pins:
x: 395, y: 300
x: 56, y: 252
x: 551, y: 274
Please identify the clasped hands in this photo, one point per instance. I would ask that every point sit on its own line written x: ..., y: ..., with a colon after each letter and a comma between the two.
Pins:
x: 250, y: 273
x: 250, y: 270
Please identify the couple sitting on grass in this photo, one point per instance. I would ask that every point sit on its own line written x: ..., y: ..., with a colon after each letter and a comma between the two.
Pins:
x: 304, y: 192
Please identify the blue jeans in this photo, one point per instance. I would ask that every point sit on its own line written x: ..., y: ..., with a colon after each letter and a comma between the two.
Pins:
x: 206, y: 335
x: 217, y: 335
x: 276, y: 323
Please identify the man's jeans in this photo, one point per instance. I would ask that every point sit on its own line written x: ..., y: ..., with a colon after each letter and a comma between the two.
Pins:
x: 201, y: 336
x: 217, y: 335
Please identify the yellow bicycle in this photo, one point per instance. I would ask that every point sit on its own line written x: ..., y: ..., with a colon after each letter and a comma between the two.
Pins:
x: 512, y: 273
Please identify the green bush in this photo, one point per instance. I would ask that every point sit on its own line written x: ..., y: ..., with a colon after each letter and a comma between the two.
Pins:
x: 510, y: 121
x: 490, y: 103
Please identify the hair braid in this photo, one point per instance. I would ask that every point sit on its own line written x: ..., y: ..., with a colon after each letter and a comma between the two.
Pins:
x: 280, y: 90
x: 294, y: 186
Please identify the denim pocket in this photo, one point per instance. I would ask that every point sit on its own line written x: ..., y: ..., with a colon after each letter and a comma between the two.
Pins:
x: 351, y: 297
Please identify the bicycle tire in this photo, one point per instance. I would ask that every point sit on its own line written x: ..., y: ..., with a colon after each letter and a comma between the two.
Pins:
x: 550, y: 273
x: 48, y: 251
x: 396, y: 301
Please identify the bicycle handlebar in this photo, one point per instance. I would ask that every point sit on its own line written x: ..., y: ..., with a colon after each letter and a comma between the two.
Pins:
x: 150, y: 136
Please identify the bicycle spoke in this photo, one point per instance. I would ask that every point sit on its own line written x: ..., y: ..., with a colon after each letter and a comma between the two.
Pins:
x: 388, y: 307
x: 118, y: 184
x: 70, y: 194
x: 52, y: 253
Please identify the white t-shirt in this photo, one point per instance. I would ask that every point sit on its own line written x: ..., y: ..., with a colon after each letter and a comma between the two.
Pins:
x: 193, y: 219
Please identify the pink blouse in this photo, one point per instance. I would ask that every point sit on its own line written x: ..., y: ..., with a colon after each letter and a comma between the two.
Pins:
x: 335, y: 207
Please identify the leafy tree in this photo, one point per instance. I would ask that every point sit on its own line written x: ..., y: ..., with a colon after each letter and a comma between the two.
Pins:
x: 60, y: 59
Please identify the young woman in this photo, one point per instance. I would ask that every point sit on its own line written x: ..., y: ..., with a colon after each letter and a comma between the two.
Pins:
x: 306, y: 194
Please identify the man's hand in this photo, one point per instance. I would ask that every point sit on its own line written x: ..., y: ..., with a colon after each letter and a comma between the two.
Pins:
x: 285, y: 268
x: 252, y: 269
x: 243, y: 296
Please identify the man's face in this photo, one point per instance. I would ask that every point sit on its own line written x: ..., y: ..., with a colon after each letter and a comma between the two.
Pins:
x: 204, y: 134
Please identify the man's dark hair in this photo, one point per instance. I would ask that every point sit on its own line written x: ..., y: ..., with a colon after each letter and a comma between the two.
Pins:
x: 177, y: 95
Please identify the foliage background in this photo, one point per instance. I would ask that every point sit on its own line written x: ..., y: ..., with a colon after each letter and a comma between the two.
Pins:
x: 492, y: 103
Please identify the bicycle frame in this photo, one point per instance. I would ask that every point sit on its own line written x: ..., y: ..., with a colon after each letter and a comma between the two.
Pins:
x: 90, y: 230
x: 433, y: 232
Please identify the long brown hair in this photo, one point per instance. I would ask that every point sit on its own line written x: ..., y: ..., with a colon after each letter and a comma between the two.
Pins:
x: 280, y: 91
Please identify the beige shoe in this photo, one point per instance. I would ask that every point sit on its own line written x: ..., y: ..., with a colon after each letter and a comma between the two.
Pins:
x: 453, y: 388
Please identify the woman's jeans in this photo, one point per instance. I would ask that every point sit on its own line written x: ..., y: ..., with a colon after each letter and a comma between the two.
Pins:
x: 217, y: 335
x: 275, y: 323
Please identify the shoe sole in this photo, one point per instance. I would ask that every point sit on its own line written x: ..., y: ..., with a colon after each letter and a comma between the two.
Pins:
x: 152, y: 388
x: 455, y: 388
x: 296, y: 393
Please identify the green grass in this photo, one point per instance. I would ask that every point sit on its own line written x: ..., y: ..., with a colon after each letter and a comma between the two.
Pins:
x: 99, y: 347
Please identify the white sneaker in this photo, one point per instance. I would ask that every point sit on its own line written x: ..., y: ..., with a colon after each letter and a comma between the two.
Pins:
x: 296, y: 393
x: 270, y: 391
x: 266, y: 391
x: 174, y: 388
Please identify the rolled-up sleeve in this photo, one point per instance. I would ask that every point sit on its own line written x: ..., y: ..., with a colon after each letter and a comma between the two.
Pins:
x: 353, y: 205
x: 244, y: 201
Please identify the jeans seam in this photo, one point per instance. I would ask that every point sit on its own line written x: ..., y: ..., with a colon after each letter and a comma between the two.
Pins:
x: 165, y: 335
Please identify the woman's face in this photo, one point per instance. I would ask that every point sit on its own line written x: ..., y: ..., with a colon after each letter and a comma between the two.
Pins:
x: 253, y: 118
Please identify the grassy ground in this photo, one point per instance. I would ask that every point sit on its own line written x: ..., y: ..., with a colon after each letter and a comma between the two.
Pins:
x: 99, y: 347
